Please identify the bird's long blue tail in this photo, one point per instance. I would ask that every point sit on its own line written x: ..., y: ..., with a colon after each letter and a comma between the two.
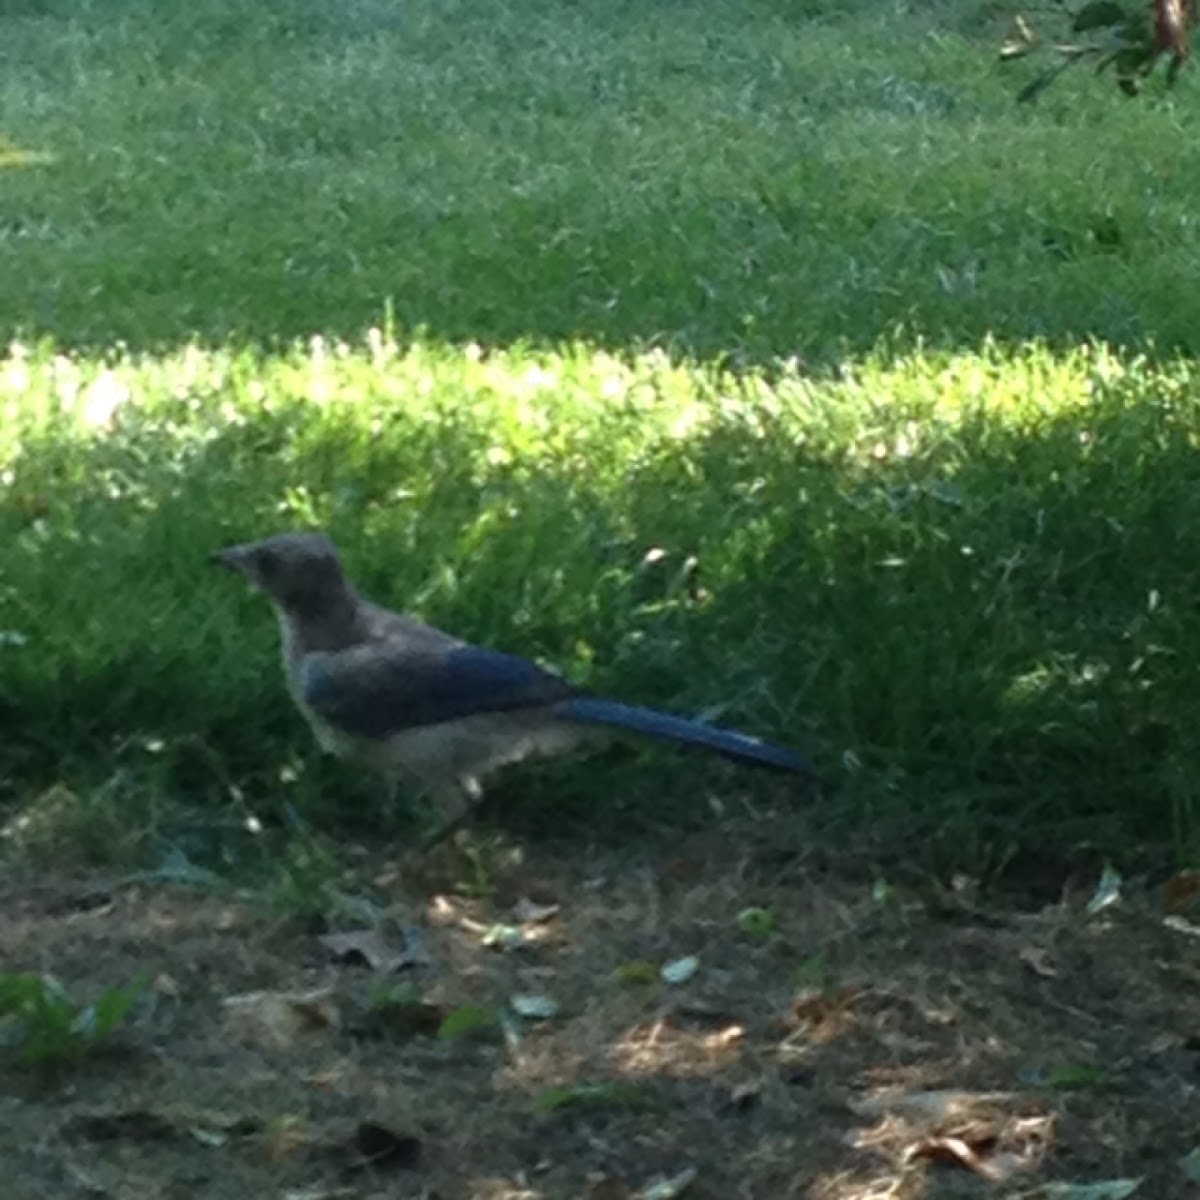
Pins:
x: 679, y: 729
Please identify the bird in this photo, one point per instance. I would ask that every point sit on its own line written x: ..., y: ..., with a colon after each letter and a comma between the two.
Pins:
x: 424, y: 706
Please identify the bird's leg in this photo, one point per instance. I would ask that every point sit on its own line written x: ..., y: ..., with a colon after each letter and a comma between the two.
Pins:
x: 453, y: 802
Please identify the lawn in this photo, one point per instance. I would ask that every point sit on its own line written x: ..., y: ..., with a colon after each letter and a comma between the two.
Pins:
x: 797, y: 178
x: 766, y: 363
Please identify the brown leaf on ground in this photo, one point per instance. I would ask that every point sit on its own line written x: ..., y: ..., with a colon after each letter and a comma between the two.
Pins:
x: 823, y: 1014
x: 371, y: 947
x: 1180, y: 891
x: 528, y: 912
x: 745, y: 1095
x: 986, y: 1132
x: 669, y: 1188
x: 1181, y: 925
x: 275, y: 1020
x: 1038, y: 960
x: 981, y: 1150
x: 941, y: 1105
x: 608, y: 1187
x: 955, y: 1150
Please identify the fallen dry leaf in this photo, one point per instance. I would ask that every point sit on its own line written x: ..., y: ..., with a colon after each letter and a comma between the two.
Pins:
x: 978, y: 1148
x: 952, y: 1149
x: 1182, y: 925
x: 370, y: 947
x: 277, y: 1019
x: 1180, y: 891
x: 1189, y: 1164
x: 165, y: 985
x: 822, y: 1013
x: 744, y: 1096
x: 534, y: 1007
x: 1038, y: 961
x: 972, y: 1130
x: 504, y: 937
x: 940, y: 1105
x: 680, y: 970
x: 528, y: 912
x: 217, y: 1129
x: 607, y: 1188
x: 1107, y: 893
x: 668, y: 1189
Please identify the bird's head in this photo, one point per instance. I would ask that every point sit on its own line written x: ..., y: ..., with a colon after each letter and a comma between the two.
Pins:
x: 300, y: 573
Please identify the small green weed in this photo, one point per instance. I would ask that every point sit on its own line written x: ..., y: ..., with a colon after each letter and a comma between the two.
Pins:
x: 468, y: 1019
x: 400, y: 1009
x: 309, y: 882
x: 46, y: 1025
x: 620, y: 1096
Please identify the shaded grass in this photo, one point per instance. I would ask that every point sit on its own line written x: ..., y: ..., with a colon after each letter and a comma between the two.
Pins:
x: 964, y: 582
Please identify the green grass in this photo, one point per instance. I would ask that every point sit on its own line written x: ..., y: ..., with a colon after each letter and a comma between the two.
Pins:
x: 953, y: 561
x: 965, y: 582
x: 778, y: 178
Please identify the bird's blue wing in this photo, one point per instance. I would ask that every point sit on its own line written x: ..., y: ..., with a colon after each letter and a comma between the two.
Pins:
x: 378, y: 689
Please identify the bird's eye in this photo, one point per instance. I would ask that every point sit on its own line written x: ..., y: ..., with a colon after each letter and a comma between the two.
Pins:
x: 267, y: 562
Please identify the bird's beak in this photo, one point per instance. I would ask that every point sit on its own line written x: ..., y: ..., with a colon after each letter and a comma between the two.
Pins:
x: 232, y: 558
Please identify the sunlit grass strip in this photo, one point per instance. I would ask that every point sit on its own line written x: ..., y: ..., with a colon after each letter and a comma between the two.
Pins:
x: 14, y: 156
x: 531, y: 395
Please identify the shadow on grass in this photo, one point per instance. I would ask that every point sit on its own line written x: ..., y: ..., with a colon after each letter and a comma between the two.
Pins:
x: 983, y: 629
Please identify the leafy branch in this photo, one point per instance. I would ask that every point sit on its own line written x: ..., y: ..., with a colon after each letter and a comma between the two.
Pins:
x: 1128, y: 37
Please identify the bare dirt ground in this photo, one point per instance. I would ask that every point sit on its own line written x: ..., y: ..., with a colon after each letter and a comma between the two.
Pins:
x: 857, y: 1042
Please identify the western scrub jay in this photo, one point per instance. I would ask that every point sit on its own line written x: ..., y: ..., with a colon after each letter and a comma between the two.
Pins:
x: 415, y: 702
